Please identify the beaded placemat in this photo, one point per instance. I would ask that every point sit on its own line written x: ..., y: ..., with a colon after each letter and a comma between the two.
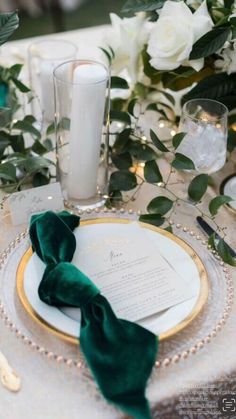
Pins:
x: 186, y: 343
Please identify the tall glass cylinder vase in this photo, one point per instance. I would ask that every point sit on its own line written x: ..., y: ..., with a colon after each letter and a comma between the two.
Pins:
x: 82, y: 104
x: 43, y: 57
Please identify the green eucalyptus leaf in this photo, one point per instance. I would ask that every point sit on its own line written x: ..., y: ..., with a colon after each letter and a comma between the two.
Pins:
x: 182, y: 162
x: 122, y: 140
x: 21, y: 86
x: 217, y: 202
x: 17, y: 143
x: 122, y: 180
x: 16, y: 158
x: 40, y: 179
x: 122, y: 161
x: 118, y: 83
x: 118, y: 104
x: 5, y: 117
x: 47, y: 143
x: 120, y: 116
x: 15, y: 70
x: 210, y: 43
x: 8, y: 171
x: 153, y: 74
x: 224, y: 252
x: 160, y: 205
x: 9, y: 22
x: 30, y: 118
x: 152, y: 173
x: 35, y: 164
x: 51, y: 129
x: 233, y: 21
x: 157, y: 143
x: 4, y: 140
x: 234, y: 29
x: 64, y: 124
x: 28, y: 127
x: 228, y: 4
x: 221, y: 87
x: 39, y: 148
x: 154, y: 219
x: 222, y: 248
x: 140, y: 151
x: 198, y: 187
x: 178, y: 138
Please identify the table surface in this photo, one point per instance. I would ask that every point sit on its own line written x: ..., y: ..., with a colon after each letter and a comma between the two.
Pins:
x: 56, y: 392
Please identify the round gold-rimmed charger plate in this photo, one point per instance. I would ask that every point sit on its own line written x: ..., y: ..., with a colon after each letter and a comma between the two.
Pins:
x: 200, y: 302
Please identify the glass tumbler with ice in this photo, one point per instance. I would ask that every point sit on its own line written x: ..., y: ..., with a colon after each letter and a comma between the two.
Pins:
x: 205, y: 123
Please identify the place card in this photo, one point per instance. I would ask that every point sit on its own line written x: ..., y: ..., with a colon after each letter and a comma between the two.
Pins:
x: 131, y: 273
x: 25, y: 203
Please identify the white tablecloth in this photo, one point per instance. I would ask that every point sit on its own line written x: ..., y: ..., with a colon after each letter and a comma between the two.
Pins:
x: 56, y: 392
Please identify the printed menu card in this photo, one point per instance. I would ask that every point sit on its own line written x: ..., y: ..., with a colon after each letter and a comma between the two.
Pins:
x: 131, y: 273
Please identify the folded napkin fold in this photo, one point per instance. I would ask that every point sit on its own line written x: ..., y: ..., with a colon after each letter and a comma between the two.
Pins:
x: 120, y: 353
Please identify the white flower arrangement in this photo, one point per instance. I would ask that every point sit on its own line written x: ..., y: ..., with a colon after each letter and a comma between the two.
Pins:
x: 176, y: 45
x: 174, y: 34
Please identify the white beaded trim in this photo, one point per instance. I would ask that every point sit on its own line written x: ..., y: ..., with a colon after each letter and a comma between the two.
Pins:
x: 159, y: 363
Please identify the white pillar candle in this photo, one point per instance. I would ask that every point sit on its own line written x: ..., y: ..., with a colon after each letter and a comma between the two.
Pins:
x: 47, y: 90
x: 87, y: 115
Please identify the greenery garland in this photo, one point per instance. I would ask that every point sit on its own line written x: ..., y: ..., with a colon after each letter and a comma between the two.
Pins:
x: 22, y: 164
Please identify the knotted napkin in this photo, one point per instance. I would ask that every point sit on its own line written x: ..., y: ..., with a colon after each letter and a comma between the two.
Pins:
x: 120, y: 353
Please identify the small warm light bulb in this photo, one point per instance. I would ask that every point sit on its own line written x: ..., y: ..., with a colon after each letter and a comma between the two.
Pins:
x: 144, y: 138
x: 161, y: 124
x: 172, y: 132
x: 49, y: 197
x: 142, y: 164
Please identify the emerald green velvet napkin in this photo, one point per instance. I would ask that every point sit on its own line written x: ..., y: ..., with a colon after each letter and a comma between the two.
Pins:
x: 120, y: 354
x: 3, y: 94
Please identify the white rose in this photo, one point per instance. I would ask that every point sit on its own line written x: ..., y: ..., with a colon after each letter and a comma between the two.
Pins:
x: 127, y: 39
x: 175, y: 32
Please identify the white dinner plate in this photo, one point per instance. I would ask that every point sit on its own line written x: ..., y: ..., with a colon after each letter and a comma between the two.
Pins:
x: 65, y: 322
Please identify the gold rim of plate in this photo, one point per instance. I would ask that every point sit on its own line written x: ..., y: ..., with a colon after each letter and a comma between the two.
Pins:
x: 202, y: 298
